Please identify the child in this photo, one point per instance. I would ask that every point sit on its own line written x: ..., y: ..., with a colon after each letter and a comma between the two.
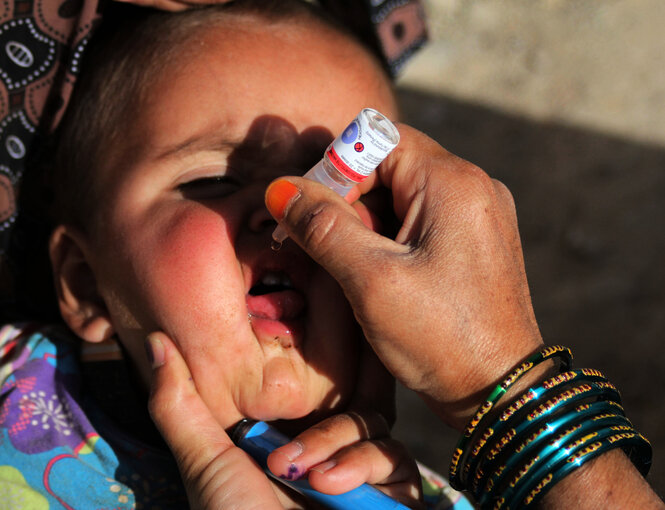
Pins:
x: 177, y: 125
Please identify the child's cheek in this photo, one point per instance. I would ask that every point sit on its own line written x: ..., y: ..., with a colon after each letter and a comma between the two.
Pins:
x: 195, y: 262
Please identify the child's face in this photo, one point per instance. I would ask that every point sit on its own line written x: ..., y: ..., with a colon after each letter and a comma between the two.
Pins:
x: 184, y: 244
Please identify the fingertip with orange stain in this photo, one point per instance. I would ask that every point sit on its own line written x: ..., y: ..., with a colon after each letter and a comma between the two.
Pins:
x: 279, y: 196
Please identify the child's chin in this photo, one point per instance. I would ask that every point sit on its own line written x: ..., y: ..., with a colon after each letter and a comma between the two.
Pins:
x: 288, y: 411
x: 294, y: 415
x: 288, y: 394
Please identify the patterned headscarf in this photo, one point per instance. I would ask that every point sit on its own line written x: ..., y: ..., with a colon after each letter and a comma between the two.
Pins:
x: 41, y: 44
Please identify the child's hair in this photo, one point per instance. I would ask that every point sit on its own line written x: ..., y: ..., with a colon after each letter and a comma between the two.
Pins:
x: 130, y: 48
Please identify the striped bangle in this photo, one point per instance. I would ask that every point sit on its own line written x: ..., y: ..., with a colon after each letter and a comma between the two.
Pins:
x: 504, y: 421
x: 530, y: 467
x: 604, y: 412
x: 555, y: 351
x: 575, y: 454
x: 515, y: 459
x: 549, y: 409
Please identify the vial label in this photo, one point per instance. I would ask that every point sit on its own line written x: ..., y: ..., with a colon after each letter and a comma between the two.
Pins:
x: 359, y: 149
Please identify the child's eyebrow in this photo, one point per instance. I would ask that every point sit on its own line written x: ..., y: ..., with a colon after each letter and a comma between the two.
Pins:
x: 198, y: 142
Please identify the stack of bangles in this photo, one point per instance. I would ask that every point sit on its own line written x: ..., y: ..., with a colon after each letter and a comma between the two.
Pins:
x: 510, y: 459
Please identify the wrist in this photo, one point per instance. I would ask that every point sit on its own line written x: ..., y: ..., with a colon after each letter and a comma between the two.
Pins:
x: 458, y: 414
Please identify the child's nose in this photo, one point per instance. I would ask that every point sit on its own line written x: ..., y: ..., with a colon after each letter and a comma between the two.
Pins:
x: 260, y: 219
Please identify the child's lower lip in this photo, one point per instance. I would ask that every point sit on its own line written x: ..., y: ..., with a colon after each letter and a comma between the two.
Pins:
x: 276, y: 317
x: 268, y: 331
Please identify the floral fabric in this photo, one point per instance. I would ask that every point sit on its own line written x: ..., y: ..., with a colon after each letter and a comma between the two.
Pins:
x: 57, y: 448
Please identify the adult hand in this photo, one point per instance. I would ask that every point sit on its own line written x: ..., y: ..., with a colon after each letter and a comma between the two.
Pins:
x: 446, y: 304
x: 173, y: 5
x: 215, y: 472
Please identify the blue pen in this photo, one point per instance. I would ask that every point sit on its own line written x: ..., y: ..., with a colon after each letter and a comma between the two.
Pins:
x: 258, y: 439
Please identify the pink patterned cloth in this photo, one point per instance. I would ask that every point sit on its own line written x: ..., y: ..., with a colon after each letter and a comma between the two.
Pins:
x: 41, y: 42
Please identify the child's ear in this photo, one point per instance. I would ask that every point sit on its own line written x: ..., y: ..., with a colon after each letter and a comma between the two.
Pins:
x: 81, y: 306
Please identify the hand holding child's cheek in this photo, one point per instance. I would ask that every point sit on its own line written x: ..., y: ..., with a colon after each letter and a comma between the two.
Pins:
x: 216, y: 473
x: 347, y: 450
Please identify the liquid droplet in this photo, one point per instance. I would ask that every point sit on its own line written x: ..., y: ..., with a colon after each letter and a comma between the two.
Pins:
x: 275, y: 245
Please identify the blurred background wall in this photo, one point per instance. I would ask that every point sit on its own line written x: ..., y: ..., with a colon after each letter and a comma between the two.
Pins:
x: 564, y: 101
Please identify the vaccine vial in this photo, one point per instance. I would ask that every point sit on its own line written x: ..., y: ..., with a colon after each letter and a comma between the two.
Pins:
x: 351, y: 157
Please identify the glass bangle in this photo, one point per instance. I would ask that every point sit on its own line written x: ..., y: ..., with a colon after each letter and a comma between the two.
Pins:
x: 567, y: 398
x: 636, y: 446
x: 518, y: 487
x: 555, y: 351
x: 600, y: 413
x: 533, y: 394
x: 551, y: 406
x: 532, y: 464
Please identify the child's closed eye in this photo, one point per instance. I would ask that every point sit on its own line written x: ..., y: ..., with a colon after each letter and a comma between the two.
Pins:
x: 215, y: 186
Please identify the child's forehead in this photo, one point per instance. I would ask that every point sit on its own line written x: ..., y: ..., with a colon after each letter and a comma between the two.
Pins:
x: 252, y: 66
x: 252, y: 83
x: 242, y: 33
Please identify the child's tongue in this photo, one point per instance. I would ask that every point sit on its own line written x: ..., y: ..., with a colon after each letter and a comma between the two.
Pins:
x: 277, y: 306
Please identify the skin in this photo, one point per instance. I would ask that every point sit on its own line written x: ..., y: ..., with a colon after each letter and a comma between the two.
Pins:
x: 449, y: 208
x: 457, y: 224
x: 182, y: 234
x: 482, y: 210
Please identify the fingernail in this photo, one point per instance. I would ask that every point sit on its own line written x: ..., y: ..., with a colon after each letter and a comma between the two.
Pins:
x: 279, y: 196
x: 292, y: 450
x: 155, y: 351
x: 324, y: 466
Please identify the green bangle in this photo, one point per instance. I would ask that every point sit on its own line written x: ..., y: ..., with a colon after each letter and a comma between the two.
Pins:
x: 557, y: 351
x: 532, y: 395
x: 519, y: 486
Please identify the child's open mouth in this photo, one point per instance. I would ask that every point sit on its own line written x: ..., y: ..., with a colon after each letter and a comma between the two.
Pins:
x: 274, y: 307
x: 274, y: 298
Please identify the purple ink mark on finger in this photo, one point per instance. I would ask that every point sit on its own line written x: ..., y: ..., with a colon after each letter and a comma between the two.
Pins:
x: 293, y: 474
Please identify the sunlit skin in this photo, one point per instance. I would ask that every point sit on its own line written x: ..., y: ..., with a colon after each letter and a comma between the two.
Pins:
x: 183, y: 233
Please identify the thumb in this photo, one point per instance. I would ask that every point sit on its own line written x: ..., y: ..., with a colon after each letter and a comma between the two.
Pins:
x: 215, y: 472
x: 328, y: 229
